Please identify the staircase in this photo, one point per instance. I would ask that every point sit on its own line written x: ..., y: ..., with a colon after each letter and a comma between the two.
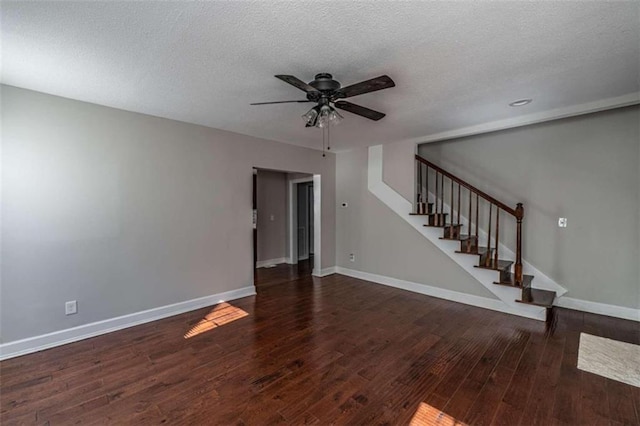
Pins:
x: 441, y: 198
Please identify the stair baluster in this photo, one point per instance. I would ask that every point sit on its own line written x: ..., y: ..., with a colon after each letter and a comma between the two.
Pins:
x: 497, y: 235
x: 451, y: 204
x: 442, y: 221
x: 436, y: 220
x: 489, y: 259
x: 469, y: 217
x: 419, y: 188
x: 427, y: 187
x: 477, y: 220
x: 459, y: 205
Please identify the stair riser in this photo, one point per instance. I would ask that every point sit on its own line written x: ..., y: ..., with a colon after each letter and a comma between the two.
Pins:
x: 437, y: 219
x: 487, y: 258
x: 452, y: 232
x: 427, y: 208
x: 469, y: 246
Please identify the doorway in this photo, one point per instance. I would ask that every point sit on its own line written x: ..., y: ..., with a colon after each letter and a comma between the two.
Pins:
x: 286, y: 221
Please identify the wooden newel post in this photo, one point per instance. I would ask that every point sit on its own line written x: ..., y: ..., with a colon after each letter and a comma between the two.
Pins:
x: 518, y: 267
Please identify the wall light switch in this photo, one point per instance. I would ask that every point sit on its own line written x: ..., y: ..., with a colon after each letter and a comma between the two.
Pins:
x: 272, y: 218
x: 352, y: 257
x: 71, y: 307
x: 562, y: 222
x: 344, y: 205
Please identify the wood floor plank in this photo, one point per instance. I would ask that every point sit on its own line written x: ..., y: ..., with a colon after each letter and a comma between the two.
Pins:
x: 332, y: 350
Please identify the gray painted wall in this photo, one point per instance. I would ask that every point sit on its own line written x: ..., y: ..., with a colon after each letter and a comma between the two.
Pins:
x: 272, y: 214
x: 383, y: 243
x: 125, y: 212
x: 584, y: 168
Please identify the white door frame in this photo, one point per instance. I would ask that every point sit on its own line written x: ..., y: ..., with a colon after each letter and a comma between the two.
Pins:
x: 317, y: 220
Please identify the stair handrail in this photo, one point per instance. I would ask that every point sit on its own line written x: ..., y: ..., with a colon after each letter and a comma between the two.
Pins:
x: 470, y: 187
x: 518, y: 212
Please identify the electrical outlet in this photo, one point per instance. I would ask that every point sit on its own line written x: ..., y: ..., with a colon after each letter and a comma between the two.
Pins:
x: 562, y: 222
x: 71, y: 307
x: 352, y: 257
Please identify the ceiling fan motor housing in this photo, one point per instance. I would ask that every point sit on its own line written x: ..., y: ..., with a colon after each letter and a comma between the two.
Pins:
x: 324, y: 82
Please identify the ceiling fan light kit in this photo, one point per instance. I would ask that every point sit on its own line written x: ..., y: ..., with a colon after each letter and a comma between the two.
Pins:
x: 327, y: 94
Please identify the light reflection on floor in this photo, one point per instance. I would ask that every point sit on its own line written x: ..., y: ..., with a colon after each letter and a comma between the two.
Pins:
x: 221, y: 314
x: 426, y: 415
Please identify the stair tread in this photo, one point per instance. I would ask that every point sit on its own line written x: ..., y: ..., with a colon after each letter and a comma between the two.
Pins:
x: 502, y: 265
x: 540, y: 297
x: 510, y: 280
x: 445, y: 225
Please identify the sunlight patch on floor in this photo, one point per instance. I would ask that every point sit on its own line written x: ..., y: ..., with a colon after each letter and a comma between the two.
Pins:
x: 426, y: 415
x: 221, y: 314
x: 609, y: 358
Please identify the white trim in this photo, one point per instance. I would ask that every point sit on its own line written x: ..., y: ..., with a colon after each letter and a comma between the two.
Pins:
x: 534, y: 118
x: 62, y: 337
x: 268, y: 262
x: 325, y: 272
x: 441, y: 293
x: 317, y: 223
x: 599, y: 308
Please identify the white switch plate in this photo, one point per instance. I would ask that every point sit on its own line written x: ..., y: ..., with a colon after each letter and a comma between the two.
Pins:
x: 71, y: 307
x: 272, y: 218
x: 562, y: 222
x: 352, y: 257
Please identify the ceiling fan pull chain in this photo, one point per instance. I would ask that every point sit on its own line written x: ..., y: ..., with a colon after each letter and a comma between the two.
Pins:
x: 328, y: 137
x: 324, y: 129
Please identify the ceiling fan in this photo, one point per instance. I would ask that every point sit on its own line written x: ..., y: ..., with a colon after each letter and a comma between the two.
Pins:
x: 325, y: 91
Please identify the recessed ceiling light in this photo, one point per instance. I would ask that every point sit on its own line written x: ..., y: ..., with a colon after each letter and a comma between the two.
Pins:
x: 520, y: 102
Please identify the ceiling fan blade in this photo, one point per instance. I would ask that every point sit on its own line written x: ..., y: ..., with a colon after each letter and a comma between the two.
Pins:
x: 359, y: 110
x: 278, y: 102
x: 294, y: 81
x: 378, y: 83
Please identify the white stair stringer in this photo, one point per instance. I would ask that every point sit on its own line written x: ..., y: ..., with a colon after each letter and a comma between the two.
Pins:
x: 403, y: 208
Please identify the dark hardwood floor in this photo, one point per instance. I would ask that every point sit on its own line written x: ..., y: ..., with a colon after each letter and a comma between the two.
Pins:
x: 335, y: 350
x: 283, y: 273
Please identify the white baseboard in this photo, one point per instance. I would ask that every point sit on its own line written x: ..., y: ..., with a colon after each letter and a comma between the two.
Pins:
x: 441, y: 293
x: 598, y: 308
x: 62, y: 337
x: 277, y: 261
x: 324, y: 272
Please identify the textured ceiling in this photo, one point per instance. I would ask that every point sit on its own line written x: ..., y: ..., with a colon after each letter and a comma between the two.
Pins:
x: 455, y: 64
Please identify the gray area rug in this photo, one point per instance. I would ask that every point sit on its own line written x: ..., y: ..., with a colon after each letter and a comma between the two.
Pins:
x: 610, y: 358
